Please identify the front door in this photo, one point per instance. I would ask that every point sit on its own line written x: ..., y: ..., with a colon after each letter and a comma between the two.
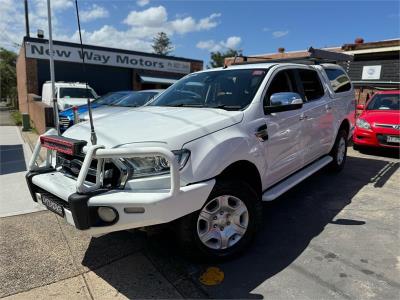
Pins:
x: 283, y: 149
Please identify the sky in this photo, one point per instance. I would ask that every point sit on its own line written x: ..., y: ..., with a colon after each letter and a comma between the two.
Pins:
x: 198, y: 27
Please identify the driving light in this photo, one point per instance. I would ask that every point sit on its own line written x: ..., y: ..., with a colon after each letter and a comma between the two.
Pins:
x: 107, y: 214
x: 363, y: 124
x: 155, y: 165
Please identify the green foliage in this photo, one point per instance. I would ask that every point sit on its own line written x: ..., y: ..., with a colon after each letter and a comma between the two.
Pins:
x: 217, y: 58
x: 17, y: 117
x: 8, y: 76
x: 162, y: 44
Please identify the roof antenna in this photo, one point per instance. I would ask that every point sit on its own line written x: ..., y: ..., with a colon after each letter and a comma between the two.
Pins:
x: 93, y: 137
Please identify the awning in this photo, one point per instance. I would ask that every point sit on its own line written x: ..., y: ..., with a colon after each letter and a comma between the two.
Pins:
x: 152, y: 79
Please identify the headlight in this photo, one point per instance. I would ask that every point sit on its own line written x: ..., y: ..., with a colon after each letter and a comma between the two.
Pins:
x: 363, y: 124
x: 67, y: 106
x: 155, y: 165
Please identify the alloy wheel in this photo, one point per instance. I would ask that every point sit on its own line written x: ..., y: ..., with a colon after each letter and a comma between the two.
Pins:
x: 222, y: 222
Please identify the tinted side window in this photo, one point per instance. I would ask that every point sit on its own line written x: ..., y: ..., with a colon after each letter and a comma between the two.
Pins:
x: 339, y: 80
x: 311, y: 84
x: 283, y: 81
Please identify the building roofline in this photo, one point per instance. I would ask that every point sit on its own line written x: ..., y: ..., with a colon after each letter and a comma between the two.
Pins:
x: 101, y: 48
x: 368, y: 45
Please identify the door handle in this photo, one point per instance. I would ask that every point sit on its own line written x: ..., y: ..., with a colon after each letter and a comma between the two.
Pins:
x: 328, y: 107
x: 303, y: 118
x: 262, y: 133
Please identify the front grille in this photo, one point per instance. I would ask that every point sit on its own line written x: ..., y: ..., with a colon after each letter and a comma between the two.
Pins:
x: 65, y: 122
x: 391, y: 126
x: 71, y: 166
x: 382, y: 138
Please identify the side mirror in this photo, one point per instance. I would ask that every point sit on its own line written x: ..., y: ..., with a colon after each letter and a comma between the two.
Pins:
x: 360, y: 107
x: 283, y: 102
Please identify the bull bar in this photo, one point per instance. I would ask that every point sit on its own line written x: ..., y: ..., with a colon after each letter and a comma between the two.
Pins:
x: 81, y: 195
x: 100, y: 153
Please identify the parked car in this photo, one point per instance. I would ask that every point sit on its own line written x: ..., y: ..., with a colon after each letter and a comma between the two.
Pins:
x: 68, y: 94
x: 66, y: 117
x: 202, y: 156
x: 134, y: 99
x: 379, y: 123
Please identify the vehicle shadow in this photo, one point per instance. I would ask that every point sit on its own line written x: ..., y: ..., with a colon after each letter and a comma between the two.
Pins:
x: 290, y: 224
x: 383, y: 152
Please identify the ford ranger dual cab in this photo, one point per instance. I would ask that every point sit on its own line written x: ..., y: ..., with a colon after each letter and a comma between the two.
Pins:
x: 203, y: 155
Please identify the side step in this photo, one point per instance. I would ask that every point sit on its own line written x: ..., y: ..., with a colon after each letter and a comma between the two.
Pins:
x: 287, y: 184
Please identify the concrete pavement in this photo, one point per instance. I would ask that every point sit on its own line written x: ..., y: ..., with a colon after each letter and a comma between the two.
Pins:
x: 14, y: 156
x: 5, y: 117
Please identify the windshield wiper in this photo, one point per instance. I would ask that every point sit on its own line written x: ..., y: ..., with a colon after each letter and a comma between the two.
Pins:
x: 227, y: 107
x: 185, y: 105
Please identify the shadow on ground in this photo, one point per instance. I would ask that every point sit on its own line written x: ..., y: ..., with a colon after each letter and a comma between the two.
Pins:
x: 290, y: 224
x: 382, y: 152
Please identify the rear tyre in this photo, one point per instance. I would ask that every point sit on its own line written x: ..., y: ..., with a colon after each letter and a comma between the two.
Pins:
x: 225, y: 225
x: 339, y: 152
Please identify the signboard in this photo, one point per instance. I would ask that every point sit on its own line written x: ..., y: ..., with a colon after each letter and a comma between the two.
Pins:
x: 106, y: 58
x: 371, y: 72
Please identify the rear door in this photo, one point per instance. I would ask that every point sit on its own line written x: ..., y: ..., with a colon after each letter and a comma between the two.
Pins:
x: 284, y: 147
x: 342, y: 98
x: 317, y: 115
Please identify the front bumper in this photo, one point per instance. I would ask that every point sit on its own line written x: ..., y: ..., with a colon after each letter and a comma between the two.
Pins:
x: 374, y: 137
x: 80, y: 199
x: 135, y: 209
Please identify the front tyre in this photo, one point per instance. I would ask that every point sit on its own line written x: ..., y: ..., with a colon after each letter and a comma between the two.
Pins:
x: 225, y: 225
x: 339, y: 152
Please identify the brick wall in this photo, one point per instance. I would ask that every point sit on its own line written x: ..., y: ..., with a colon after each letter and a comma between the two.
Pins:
x: 196, y: 66
x: 363, y: 94
x: 41, y: 115
x: 31, y: 72
x: 21, y: 82
x: 26, y: 79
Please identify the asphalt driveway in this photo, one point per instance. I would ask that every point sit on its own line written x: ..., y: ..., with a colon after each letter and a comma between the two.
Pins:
x: 334, y: 236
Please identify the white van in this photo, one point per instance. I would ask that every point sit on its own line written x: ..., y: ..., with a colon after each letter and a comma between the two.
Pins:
x: 68, y: 94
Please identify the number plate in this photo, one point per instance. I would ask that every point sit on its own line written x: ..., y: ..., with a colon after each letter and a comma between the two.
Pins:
x: 53, y: 206
x: 393, y: 139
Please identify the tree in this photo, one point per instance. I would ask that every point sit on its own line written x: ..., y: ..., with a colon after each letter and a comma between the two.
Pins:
x: 217, y: 58
x: 162, y: 44
x: 8, y: 77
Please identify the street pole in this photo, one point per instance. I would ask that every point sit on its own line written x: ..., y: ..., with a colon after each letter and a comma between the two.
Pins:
x: 53, y: 87
x: 26, y: 18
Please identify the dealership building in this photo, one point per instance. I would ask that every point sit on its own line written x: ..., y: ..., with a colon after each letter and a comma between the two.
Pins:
x: 105, y: 70
x: 374, y: 65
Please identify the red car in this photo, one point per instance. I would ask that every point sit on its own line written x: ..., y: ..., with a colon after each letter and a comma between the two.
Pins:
x: 379, y: 123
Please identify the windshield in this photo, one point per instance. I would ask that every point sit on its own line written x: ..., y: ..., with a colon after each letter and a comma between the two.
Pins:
x: 110, y: 98
x: 227, y: 89
x: 135, y: 99
x: 76, y: 93
x: 384, y: 102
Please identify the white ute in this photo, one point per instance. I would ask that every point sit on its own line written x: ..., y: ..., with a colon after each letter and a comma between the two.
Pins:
x: 68, y: 94
x: 202, y: 155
